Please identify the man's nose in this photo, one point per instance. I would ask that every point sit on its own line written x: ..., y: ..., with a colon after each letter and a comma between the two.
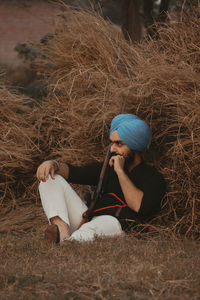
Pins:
x: 113, y: 148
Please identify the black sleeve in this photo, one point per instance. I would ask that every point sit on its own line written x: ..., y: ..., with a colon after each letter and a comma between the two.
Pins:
x: 86, y: 174
x: 154, y: 189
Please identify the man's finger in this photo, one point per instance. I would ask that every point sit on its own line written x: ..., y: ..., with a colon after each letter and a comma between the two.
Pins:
x: 46, y: 173
x: 52, y: 173
x: 111, y: 162
x: 39, y: 175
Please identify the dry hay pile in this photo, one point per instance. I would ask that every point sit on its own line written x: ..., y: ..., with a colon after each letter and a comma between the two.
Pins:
x: 92, y: 72
x: 18, y: 148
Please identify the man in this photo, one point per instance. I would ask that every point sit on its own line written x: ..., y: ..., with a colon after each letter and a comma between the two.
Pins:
x: 132, y: 191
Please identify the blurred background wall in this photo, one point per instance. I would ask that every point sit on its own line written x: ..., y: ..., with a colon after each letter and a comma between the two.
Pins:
x: 23, y: 21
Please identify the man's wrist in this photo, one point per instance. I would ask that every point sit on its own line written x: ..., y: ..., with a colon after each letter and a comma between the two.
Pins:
x: 120, y: 172
x: 57, y: 164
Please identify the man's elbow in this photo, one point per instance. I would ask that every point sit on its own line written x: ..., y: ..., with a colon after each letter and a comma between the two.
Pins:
x: 137, y: 208
x: 136, y: 204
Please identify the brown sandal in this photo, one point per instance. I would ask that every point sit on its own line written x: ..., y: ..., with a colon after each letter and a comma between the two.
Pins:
x: 52, y: 233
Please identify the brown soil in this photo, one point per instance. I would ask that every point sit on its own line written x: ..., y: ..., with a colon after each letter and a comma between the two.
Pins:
x: 162, y: 267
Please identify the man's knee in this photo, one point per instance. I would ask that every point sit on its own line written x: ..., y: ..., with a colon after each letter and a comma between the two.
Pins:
x: 103, y: 225
x: 50, y: 182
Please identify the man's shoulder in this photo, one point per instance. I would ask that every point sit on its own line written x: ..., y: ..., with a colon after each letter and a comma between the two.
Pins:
x: 147, y: 166
x: 149, y: 170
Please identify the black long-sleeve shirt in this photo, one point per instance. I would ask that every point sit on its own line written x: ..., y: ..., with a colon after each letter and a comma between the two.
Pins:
x: 143, y: 176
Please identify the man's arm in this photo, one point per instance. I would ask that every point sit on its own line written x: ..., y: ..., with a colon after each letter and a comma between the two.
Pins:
x: 50, y: 167
x: 132, y: 194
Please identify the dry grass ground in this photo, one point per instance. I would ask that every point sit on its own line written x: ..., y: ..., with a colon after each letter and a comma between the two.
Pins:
x: 159, y: 267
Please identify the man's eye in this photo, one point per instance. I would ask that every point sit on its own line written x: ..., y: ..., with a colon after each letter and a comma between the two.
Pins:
x: 119, y: 144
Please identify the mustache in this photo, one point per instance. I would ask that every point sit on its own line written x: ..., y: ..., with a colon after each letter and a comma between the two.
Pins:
x: 127, y: 159
x: 113, y: 154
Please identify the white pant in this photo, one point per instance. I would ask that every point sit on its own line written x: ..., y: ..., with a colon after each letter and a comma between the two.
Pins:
x: 59, y: 199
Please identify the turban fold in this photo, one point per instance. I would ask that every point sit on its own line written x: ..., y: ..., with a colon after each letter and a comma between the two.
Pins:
x: 133, y: 131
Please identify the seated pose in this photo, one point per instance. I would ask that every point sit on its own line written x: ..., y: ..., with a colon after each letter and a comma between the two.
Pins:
x: 132, y: 191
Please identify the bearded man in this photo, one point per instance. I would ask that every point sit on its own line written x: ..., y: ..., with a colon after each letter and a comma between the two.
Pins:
x: 132, y: 193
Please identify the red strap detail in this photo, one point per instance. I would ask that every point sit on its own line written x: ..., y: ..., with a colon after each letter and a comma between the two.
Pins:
x: 105, y: 207
x: 145, y: 227
x: 112, y: 194
x: 111, y: 206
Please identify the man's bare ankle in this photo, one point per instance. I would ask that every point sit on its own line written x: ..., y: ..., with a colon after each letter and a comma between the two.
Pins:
x: 62, y: 226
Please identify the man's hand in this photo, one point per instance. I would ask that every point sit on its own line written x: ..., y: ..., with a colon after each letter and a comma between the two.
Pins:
x: 46, y: 168
x: 118, y: 162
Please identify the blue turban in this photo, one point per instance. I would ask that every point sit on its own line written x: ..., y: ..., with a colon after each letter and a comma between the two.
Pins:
x: 133, y: 132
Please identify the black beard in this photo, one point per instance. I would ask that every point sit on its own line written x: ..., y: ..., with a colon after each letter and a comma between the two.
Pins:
x: 128, y: 160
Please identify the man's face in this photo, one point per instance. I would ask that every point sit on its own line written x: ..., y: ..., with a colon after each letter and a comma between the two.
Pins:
x: 119, y: 148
